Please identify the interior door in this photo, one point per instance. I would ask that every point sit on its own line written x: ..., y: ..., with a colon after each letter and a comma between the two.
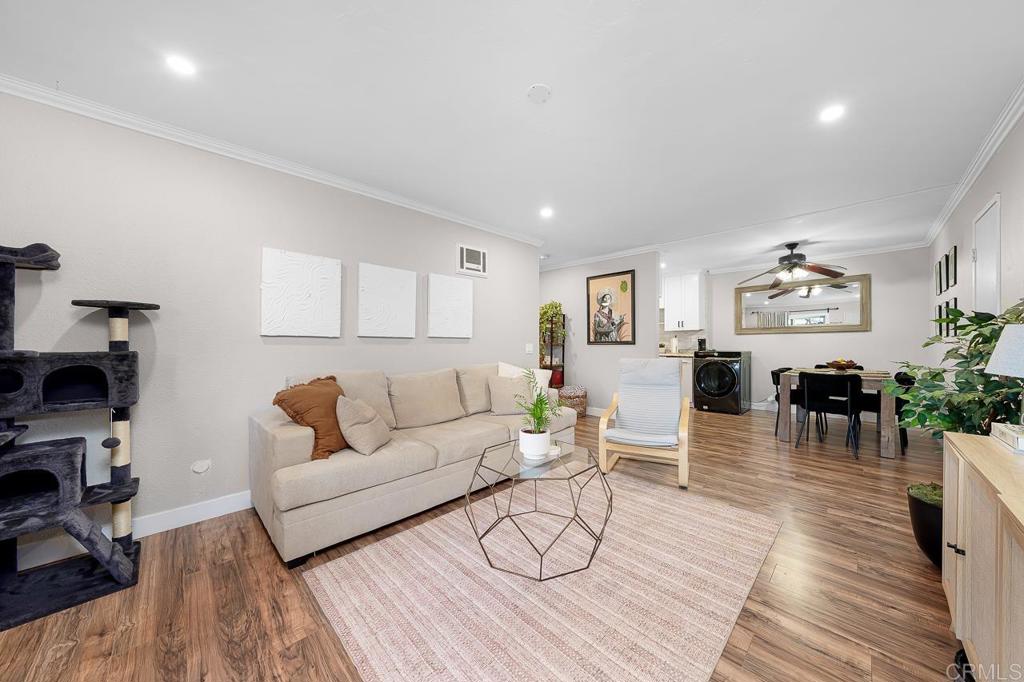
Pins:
x: 986, y: 259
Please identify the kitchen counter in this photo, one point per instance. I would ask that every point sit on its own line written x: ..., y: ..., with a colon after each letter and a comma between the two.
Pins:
x: 680, y: 354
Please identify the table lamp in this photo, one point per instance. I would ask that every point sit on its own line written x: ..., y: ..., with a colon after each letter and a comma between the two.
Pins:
x: 1008, y: 360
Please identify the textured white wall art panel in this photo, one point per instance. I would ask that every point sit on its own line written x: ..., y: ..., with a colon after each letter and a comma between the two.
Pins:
x: 387, y: 301
x: 449, y: 307
x: 300, y: 294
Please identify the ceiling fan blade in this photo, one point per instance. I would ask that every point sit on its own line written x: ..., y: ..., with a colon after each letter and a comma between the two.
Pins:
x: 831, y: 267
x: 776, y: 282
x: 837, y: 286
x: 777, y: 268
x: 779, y: 294
x: 821, y: 270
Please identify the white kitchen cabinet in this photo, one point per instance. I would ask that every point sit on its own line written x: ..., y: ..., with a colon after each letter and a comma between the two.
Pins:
x: 983, y: 559
x: 683, y: 298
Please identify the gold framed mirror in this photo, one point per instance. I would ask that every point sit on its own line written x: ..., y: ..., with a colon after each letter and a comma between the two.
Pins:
x: 841, y: 304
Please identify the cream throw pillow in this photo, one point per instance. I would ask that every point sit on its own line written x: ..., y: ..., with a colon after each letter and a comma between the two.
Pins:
x: 425, y: 398
x: 473, y: 387
x: 364, y: 429
x: 504, y: 391
x: 543, y: 375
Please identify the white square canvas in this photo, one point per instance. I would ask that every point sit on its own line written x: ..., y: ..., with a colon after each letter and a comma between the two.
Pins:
x: 387, y: 302
x: 300, y: 294
x: 449, y: 307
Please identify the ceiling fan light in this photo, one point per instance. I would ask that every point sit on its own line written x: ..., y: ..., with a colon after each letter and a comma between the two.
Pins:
x: 798, y: 273
x: 785, y: 275
x: 815, y: 291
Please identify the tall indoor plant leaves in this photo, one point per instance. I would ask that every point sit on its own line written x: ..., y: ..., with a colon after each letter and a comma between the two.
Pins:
x: 960, y: 396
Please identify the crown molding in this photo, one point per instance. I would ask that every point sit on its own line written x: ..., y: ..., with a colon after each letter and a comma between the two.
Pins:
x: 1008, y: 118
x: 597, y: 259
x: 84, y: 107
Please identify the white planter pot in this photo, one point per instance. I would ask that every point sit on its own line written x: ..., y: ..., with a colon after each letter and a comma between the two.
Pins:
x: 534, y: 445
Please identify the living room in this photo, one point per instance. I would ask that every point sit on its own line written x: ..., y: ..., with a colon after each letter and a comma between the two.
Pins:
x: 292, y: 299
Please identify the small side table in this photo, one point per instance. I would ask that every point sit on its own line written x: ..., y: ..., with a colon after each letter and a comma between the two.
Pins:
x: 574, y: 397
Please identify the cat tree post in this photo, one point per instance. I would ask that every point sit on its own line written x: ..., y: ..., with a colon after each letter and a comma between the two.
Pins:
x: 120, y: 441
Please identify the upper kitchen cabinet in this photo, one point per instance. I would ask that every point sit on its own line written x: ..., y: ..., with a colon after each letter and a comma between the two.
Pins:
x: 683, y: 297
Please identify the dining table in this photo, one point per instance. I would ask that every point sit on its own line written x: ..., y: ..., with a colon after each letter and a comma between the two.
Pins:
x: 871, y: 380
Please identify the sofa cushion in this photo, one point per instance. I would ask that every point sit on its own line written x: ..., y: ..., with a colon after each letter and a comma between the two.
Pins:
x: 460, y: 439
x: 364, y: 429
x: 513, y: 422
x: 314, y: 405
x: 425, y: 398
x: 504, y: 394
x: 347, y: 471
x: 370, y: 386
x: 473, y: 387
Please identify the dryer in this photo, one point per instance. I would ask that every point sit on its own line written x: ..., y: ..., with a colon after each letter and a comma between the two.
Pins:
x: 721, y: 381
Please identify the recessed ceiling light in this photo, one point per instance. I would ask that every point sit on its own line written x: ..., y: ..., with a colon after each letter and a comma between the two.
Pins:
x: 832, y: 113
x: 662, y: 266
x: 546, y: 212
x: 180, y: 65
x: 545, y: 256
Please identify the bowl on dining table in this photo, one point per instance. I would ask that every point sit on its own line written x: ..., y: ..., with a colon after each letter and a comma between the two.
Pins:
x: 842, y: 365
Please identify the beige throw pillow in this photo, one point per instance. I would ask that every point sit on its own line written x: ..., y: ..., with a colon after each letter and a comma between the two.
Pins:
x: 473, y: 387
x: 362, y: 426
x: 425, y: 398
x: 507, y: 370
x: 503, y: 394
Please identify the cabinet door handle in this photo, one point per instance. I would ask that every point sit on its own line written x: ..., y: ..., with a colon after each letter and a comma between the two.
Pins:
x: 956, y: 549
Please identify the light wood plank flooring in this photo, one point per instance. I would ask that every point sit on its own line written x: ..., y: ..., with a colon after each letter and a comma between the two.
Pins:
x: 844, y: 594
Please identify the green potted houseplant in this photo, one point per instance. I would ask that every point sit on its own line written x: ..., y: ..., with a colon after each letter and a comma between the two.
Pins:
x: 958, y: 396
x: 538, y: 411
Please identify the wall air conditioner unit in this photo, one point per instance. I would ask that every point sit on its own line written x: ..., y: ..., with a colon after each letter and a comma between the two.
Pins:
x: 472, y: 261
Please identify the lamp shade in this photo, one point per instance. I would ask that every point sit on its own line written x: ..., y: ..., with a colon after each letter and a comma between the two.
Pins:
x: 1008, y: 357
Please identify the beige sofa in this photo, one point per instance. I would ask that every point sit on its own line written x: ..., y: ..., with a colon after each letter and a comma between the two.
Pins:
x: 441, y: 421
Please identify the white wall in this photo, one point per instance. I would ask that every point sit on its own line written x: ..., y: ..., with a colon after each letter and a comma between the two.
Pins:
x: 140, y: 218
x: 596, y: 367
x: 1003, y: 175
x: 900, y: 315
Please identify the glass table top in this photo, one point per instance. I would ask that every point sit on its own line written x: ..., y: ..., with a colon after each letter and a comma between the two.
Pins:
x: 565, y: 461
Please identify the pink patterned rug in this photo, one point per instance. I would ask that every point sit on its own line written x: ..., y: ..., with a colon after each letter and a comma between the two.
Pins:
x: 658, y: 602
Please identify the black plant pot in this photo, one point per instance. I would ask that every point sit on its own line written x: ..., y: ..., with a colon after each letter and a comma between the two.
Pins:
x: 926, y: 520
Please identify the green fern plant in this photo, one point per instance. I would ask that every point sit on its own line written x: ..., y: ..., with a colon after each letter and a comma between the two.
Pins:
x: 539, y: 410
x: 961, y: 396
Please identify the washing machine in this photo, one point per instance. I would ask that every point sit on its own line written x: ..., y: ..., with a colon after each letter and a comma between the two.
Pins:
x: 721, y: 381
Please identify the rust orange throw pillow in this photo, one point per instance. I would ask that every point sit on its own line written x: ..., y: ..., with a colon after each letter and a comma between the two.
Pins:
x: 315, y: 405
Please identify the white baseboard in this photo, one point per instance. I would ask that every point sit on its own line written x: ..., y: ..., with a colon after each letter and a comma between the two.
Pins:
x: 54, y: 546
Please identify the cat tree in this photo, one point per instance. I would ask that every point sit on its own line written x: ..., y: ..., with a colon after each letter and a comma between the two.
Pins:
x: 43, y: 484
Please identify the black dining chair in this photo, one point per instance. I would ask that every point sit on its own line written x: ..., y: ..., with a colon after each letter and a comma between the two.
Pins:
x: 905, y: 380
x: 796, y: 395
x: 838, y: 394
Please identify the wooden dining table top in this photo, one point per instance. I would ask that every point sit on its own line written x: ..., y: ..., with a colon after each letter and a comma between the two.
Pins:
x: 866, y: 373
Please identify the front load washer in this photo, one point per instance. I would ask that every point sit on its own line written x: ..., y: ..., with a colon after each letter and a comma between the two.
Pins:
x: 721, y: 381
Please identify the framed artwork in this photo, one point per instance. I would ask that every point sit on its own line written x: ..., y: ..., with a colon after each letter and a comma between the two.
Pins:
x: 449, y: 307
x: 951, y: 268
x: 387, y: 302
x: 611, y: 308
x: 939, y: 327
x: 300, y: 294
x: 938, y: 278
x: 951, y: 327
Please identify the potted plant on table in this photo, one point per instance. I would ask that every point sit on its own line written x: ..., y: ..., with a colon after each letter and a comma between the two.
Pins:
x: 538, y: 411
x: 959, y: 396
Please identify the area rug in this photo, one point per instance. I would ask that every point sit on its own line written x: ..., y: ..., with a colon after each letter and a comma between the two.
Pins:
x: 658, y: 601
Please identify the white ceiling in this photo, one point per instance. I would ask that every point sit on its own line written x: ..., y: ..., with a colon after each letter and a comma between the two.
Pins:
x: 668, y: 120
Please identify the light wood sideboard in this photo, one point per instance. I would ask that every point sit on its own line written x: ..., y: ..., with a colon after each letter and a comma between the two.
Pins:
x: 983, y: 552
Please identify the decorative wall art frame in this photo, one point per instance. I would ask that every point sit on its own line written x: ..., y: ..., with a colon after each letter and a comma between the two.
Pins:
x: 449, y: 307
x: 300, y: 294
x: 611, y: 308
x: 940, y: 327
x: 387, y: 302
x: 949, y: 328
x: 946, y: 272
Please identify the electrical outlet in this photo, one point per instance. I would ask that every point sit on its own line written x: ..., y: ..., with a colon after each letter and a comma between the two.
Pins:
x: 529, y: 349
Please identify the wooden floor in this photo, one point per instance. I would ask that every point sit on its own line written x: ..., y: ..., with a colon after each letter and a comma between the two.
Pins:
x: 844, y: 594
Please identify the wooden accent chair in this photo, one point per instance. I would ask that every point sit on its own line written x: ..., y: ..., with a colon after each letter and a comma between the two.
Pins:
x: 652, y: 418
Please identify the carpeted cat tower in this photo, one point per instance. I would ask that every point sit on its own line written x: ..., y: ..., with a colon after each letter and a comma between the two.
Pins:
x: 43, y: 484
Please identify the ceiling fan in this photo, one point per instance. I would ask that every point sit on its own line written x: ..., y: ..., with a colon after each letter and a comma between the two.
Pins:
x: 795, y: 266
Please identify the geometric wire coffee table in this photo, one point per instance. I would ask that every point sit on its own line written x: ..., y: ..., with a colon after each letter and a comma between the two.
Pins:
x: 549, y: 520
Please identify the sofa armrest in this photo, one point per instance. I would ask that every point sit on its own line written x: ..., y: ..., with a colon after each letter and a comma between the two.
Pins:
x: 276, y: 442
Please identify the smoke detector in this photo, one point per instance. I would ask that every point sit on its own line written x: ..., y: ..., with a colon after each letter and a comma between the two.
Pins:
x: 539, y: 93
